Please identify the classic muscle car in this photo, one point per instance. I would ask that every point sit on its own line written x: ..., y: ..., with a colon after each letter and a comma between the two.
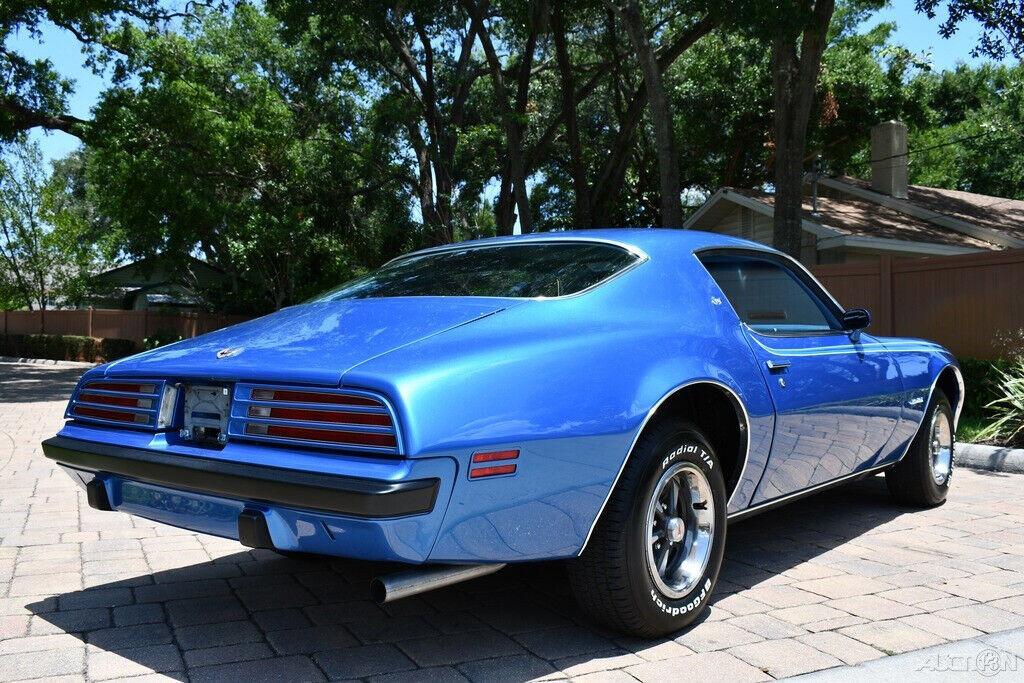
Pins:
x: 613, y: 398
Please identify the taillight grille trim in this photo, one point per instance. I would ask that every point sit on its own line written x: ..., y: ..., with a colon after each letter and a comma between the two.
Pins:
x: 327, y: 418
x: 107, y: 401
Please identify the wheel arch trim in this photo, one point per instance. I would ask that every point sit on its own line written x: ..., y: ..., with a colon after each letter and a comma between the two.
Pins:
x: 742, y: 414
x: 957, y: 409
x: 961, y: 391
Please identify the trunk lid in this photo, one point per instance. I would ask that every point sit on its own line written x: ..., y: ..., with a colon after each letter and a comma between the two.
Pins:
x: 310, y: 343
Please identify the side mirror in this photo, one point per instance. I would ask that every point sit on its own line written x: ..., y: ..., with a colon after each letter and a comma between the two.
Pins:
x: 855, y: 320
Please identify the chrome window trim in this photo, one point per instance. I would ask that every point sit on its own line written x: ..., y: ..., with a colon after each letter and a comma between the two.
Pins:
x: 830, y: 304
x: 647, y: 418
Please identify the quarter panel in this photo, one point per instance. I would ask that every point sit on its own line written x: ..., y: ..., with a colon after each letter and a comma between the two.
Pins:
x: 568, y: 382
x: 919, y: 362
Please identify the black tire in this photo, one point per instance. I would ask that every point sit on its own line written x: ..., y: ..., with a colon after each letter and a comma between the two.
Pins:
x: 912, y: 480
x: 613, y: 580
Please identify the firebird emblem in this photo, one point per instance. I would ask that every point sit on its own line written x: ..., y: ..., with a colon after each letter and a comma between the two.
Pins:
x: 228, y: 352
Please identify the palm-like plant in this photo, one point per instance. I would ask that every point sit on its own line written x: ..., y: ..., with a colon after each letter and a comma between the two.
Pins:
x: 1008, y: 426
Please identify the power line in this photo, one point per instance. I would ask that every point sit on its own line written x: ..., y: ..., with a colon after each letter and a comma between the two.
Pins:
x: 948, y: 143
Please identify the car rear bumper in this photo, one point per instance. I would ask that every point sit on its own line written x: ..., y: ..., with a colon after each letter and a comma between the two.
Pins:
x: 307, y: 490
x: 261, y: 505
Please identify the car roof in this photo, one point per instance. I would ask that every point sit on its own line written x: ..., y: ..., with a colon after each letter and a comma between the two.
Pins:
x: 652, y: 241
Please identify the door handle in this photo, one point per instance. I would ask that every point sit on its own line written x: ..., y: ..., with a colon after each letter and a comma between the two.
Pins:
x: 777, y: 365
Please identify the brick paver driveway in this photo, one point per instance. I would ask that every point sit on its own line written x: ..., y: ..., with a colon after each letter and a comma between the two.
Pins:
x: 842, y: 577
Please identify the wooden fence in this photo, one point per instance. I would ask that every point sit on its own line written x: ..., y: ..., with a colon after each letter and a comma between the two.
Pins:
x: 114, y: 324
x: 963, y: 302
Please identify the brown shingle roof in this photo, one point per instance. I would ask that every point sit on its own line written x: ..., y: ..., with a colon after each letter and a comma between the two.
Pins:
x: 851, y: 215
x: 996, y: 213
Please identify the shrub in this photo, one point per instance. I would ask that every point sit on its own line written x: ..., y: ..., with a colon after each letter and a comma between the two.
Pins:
x: 65, y: 347
x: 981, y: 379
x: 1008, y: 406
x: 160, y: 338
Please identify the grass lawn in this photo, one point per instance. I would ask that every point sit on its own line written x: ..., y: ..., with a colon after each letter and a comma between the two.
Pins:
x: 969, y: 428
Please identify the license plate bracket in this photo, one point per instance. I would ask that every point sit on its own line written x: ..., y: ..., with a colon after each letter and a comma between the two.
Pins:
x: 207, y: 409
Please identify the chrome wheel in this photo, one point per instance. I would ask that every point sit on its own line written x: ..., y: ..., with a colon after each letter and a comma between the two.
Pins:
x: 681, y: 520
x: 941, y: 446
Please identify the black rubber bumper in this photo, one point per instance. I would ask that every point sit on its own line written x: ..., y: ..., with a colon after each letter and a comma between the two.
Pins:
x: 351, y: 496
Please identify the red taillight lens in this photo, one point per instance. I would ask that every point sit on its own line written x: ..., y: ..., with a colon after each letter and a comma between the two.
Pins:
x: 325, y: 435
x: 297, y: 396
x: 142, y: 403
x: 125, y: 401
x: 306, y: 415
x: 125, y: 387
x: 114, y: 415
x: 336, y: 418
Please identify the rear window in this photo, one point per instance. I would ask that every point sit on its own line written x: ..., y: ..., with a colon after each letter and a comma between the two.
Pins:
x: 508, y: 270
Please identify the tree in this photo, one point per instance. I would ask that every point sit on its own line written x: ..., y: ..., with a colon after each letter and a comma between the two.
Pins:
x: 632, y: 18
x: 600, y: 105
x: 42, y: 258
x: 32, y: 93
x: 974, y: 132
x: 1002, y: 23
x: 229, y: 142
x: 797, y: 44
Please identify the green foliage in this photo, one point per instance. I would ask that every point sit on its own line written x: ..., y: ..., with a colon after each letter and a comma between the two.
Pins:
x: 236, y: 144
x: 1002, y: 23
x: 973, y: 133
x: 32, y: 93
x: 297, y: 143
x: 1008, y: 407
x: 65, y: 347
x: 160, y: 338
x: 43, y: 258
x: 981, y: 383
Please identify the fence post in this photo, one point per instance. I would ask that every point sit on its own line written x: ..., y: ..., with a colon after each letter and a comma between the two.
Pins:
x: 887, y: 314
x: 42, y: 321
x: 89, y: 325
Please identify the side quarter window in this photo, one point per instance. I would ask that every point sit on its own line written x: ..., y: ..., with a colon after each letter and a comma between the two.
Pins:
x: 768, y: 296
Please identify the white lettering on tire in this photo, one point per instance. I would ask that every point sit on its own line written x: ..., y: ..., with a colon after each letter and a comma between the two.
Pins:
x: 688, y: 607
x: 687, y: 449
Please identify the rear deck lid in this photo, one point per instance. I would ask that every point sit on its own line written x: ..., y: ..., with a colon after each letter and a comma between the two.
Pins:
x: 310, y: 343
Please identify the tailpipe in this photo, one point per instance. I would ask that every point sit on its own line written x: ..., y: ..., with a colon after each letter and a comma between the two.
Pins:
x: 393, y: 587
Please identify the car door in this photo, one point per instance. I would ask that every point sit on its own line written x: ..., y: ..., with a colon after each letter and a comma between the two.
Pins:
x: 836, y: 393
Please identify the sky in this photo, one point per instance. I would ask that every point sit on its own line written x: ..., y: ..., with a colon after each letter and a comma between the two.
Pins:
x: 914, y: 31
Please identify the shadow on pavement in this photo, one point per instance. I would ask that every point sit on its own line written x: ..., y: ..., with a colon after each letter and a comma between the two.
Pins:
x: 257, y: 615
x: 28, y: 383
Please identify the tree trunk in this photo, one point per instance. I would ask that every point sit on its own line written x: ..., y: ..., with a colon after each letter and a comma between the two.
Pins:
x: 794, y: 76
x: 513, y: 140
x: 660, y: 111
x: 577, y: 169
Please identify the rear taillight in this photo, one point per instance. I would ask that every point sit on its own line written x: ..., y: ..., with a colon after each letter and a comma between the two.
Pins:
x: 129, y: 402
x: 347, y: 419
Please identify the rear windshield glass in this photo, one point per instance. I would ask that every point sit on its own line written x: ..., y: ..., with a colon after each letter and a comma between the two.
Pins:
x: 510, y: 270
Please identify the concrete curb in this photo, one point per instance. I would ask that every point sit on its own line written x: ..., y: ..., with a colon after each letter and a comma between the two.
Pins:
x: 47, y: 361
x: 991, y: 458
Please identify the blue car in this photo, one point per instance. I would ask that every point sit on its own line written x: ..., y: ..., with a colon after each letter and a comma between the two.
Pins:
x: 613, y: 398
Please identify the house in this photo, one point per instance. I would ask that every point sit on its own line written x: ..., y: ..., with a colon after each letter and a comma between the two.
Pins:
x: 155, y: 282
x: 847, y: 219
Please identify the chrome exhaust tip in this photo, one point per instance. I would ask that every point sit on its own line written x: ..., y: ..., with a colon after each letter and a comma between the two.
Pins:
x: 385, y: 589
